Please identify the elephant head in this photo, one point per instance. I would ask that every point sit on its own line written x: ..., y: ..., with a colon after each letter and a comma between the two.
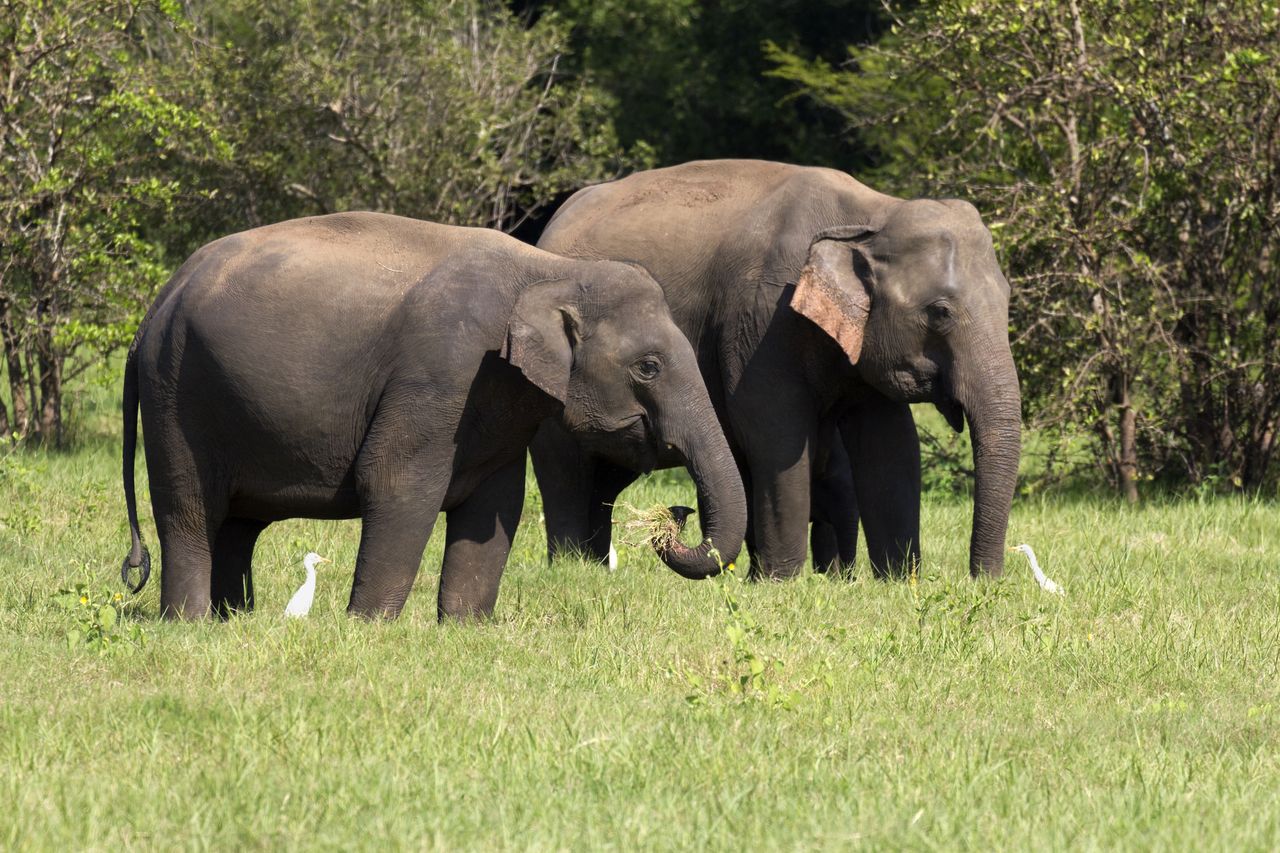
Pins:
x: 918, y: 303
x: 604, y: 344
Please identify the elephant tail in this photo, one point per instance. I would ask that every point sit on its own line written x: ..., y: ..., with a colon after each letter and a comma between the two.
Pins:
x: 139, y: 557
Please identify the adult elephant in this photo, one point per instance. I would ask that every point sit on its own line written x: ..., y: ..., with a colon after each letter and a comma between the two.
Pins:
x: 369, y: 365
x: 810, y: 299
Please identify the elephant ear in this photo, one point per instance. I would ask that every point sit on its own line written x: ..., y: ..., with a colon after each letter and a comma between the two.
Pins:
x: 543, y: 330
x: 834, y: 288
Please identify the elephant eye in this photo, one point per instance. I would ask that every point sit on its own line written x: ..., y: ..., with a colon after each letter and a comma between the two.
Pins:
x: 940, y: 316
x: 648, y: 369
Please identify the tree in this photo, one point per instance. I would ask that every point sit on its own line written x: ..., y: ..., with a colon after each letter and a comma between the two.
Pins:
x: 447, y: 110
x: 81, y: 126
x: 1125, y: 154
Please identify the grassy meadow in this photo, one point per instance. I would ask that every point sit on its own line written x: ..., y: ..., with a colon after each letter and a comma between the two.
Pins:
x: 633, y: 709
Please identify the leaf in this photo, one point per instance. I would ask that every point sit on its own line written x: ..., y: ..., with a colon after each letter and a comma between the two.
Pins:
x: 736, y: 634
x: 106, y: 617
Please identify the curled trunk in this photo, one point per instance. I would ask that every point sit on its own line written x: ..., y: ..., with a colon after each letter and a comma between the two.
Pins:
x: 721, y: 500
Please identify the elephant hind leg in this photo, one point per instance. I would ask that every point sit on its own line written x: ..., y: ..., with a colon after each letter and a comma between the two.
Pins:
x: 231, y: 584
x: 834, y: 535
x: 186, y: 561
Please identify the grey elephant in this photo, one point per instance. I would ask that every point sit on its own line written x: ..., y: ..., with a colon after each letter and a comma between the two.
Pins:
x: 367, y: 365
x: 811, y: 300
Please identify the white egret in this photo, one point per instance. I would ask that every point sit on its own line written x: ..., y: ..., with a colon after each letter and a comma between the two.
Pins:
x: 1045, y: 583
x: 613, y: 558
x: 300, y: 604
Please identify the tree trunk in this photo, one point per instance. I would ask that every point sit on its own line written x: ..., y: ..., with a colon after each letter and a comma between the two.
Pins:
x: 1128, y: 449
x: 48, y: 374
x: 50, y: 366
x: 13, y: 361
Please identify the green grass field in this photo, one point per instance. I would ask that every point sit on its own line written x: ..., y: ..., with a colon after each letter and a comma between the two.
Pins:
x: 598, y: 710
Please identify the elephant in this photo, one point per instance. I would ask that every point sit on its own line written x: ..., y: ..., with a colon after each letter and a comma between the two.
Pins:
x: 368, y: 365
x: 833, y: 505
x: 819, y: 309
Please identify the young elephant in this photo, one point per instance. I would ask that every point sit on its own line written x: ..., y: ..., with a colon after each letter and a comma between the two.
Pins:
x: 369, y: 365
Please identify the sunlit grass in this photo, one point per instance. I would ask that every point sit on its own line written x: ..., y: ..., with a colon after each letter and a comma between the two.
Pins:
x: 1141, y: 709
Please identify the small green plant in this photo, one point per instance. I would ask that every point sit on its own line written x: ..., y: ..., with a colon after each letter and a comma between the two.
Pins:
x: 757, y: 674
x: 99, y: 620
x: 753, y: 675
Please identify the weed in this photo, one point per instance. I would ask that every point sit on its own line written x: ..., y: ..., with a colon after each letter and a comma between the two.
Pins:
x: 99, y: 620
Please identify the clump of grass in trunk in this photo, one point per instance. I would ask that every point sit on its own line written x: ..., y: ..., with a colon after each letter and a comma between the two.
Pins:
x: 656, y: 526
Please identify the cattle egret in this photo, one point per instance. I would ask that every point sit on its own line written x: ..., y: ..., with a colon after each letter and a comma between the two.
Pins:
x: 613, y: 558
x: 300, y: 604
x: 1044, y: 582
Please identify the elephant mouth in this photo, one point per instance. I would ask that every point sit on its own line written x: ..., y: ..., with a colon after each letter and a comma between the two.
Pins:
x: 628, y: 441
x: 953, y: 412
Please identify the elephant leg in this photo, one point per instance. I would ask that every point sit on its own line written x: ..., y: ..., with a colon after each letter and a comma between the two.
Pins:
x: 231, y: 585
x: 607, y: 484
x: 186, y: 533
x: 749, y: 541
x: 393, y: 535
x: 478, y: 534
x: 779, y: 498
x: 823, y: 546
x: 884, y: 451
x: 834, y: 535
x: 564, y: 474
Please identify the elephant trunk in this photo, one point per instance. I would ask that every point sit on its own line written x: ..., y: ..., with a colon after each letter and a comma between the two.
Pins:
x: 721, y: 501
x: 993, y: 408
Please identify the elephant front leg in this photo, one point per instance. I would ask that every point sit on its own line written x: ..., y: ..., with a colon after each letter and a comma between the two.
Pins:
x: 779, y: 500
x: 607, y: 484
x: 393, y: 535
x: 477, y: 541
x: 884, y: 451
x: 564, y: 474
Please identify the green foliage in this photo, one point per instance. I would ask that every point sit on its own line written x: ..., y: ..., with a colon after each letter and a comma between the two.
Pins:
x: 442, y: 110
x: 84, y: 137
x: 99, y: 620
x: 1123, y: 155
x: 751, y: 675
